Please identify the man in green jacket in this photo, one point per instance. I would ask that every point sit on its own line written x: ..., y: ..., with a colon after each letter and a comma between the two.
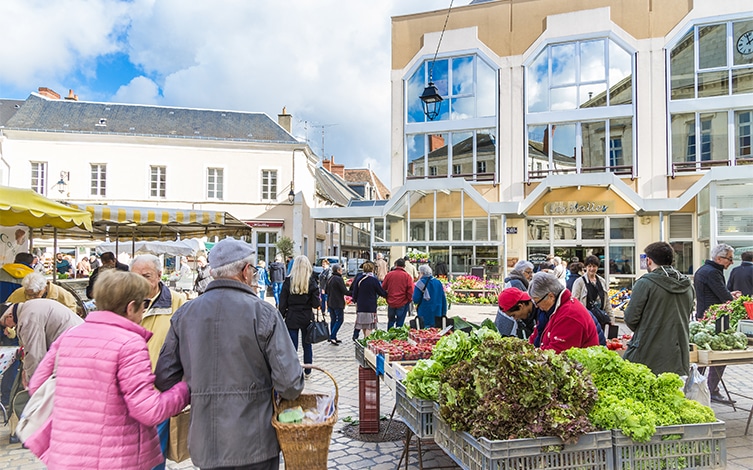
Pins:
x: 659, y: 313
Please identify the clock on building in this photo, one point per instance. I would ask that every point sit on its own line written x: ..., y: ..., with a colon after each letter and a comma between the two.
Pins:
x: 745, y: 43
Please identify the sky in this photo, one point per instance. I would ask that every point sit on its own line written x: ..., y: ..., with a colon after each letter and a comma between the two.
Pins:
x: 326, y: 61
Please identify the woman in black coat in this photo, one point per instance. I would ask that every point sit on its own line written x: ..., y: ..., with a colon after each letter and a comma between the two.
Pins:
x: 298, y: 299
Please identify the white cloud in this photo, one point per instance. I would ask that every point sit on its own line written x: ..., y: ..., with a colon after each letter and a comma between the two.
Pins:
x: 328, y: 61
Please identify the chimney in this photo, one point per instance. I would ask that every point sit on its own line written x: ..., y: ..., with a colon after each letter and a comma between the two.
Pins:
x: 435, y: 141
x: 71, y: 96
x: 332, y: 167
x: 47, y: 93
x: 285, y: 120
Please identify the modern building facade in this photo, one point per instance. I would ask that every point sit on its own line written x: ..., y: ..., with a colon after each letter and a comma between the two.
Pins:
x: 572, y: 128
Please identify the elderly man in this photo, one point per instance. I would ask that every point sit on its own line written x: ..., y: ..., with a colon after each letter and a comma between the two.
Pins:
x: 570, y: 325
x: 36, y: 286
x: 38, y: 324
x: 164, y: 302
x: 231, y: 406
x: 520, y: 275
x: 710, y: 289
x: 108, y: 261
x: 380, y: 267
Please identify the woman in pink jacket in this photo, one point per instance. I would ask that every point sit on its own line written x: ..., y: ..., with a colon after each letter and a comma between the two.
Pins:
x: 106, y: 406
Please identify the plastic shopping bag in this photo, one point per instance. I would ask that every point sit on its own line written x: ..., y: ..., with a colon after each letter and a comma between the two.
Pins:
x: 696, y: 387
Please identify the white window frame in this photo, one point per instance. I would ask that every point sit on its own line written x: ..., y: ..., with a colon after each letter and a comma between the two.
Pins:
x: 215, y: 183
x: 98, y: 179
x: 270, y: 193
x: 158, y: 181
x: 38, y: 179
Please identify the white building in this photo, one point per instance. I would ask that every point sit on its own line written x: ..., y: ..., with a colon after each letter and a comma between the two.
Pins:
x: 245, y: 164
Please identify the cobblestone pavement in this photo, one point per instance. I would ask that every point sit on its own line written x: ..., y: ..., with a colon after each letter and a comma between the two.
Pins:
x: 347, y: 453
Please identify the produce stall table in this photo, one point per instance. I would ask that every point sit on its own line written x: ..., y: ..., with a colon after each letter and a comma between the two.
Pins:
x: 708, y: 358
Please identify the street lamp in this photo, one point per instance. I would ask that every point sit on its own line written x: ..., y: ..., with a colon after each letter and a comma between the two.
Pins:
x: 432, y: 100
x: 62, y: 183
x: 291, y: 194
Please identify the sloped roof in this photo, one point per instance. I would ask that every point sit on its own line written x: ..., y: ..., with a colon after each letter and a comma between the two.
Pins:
x: 40, y: 113
x: 334, y: 188
x: 366, y: 175
x: 8, y: 108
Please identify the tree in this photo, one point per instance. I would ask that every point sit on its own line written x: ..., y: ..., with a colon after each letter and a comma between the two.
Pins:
x: 285, y: 247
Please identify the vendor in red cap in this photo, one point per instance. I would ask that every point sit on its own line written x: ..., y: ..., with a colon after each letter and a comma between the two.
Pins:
x: 515, y: 306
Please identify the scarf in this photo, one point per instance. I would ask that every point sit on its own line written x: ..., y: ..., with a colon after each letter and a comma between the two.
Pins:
x: 422, y: 285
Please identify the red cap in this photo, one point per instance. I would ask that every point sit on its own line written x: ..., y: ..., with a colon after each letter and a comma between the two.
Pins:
x: 511, y: 296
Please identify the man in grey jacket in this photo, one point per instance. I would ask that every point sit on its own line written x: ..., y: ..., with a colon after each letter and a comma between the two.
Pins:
x: 38, y: 324
x: 233, y: 349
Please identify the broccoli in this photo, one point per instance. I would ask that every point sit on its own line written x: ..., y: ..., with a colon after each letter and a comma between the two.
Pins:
x: 703, y: 340
x: 696, y: 327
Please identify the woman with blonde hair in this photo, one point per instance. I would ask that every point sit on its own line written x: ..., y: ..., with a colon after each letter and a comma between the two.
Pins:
x: 298, y: 298
x: 106, y: 407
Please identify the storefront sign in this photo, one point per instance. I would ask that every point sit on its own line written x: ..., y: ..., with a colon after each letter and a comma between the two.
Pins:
x: 265, y: 223
x: 575, y: 207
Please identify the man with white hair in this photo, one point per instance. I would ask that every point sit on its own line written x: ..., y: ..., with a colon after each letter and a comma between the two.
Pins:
x: 520, y: 275
x: 36, y: 286
x: 38, y: 324
x: 231, y: 406
x: 156, y: 319
x: 380, y: 267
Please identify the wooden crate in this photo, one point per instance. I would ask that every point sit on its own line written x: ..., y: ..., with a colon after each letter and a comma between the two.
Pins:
x: 693, y: 353
x: 710, y: 358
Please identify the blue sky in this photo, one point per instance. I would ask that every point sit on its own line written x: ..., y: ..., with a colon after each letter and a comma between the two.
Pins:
x: 327, y: 62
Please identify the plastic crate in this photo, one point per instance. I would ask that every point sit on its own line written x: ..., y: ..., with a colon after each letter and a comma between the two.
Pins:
x: 417, y: 414
x: 360, y: 359
x: 593, y: 451
x: 368, y: 401
x: 683, y: 446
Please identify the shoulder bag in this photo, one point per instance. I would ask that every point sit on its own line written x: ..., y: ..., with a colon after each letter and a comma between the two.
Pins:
x: 39, y: 408
x: 317, y: 331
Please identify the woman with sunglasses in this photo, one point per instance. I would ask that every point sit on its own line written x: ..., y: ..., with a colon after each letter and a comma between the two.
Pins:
x: 105, y: 407
x: 570, y: 325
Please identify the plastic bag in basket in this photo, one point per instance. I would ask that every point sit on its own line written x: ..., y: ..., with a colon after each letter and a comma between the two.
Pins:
x: 325, y: 405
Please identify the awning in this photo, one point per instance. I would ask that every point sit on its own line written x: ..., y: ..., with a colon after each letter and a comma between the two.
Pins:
x: 26, y: 207
x: 187, y: 247
x: 157, y: 223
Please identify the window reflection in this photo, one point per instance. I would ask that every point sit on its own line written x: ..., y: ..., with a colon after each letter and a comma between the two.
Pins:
x: 712, y: 46
x: 565, y: 229
x: 592, y: 135
x: 621, y: 260
x: 681, y: 65
x: 468, y: 154
x: 563, y: 146
x: 467, y: 84
x: 592, y: 229
x: 622, y: 228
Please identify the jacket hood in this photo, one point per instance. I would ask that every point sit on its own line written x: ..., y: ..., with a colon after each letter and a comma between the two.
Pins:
x: 669, y: 279
x: 517, y: 275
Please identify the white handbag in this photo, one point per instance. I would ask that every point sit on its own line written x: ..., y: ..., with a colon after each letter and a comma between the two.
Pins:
x: 39, y: 408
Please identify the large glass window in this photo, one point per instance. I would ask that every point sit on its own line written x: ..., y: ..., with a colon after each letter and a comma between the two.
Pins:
x: 470, y: 154
x: 467, y: 84
x: 563, y: 81
x: 724, y: 64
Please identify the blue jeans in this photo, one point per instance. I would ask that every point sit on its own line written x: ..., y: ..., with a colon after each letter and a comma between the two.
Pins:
x: 276, y: 289
x: 262, y: 291
x: 336, y: 316
x: 396, y: 315
x: 323, y: 298
x: 163, y: 432
x: 308, y: 352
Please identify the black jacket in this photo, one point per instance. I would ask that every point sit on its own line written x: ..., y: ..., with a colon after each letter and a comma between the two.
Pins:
x: 741, y: 278
x: 297, y: 309
x: 336, y: 291
x: 95, y: 273
x: 276, y: 271
x: 709, y: 287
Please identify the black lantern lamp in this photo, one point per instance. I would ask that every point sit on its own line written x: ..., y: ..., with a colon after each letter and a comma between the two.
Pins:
x: 291, y: 194
x: 432, y: 101
x: 431, y: 98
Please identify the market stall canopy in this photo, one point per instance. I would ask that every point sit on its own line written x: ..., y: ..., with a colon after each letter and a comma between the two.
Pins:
x: 157, y: 223
x: 188, y: 247
x: 26, y: 207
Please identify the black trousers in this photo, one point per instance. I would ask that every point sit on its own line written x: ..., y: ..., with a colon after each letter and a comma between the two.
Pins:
x: 271, y: 464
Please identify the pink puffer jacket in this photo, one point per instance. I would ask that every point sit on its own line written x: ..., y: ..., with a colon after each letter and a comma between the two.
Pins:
x: 106, y: 406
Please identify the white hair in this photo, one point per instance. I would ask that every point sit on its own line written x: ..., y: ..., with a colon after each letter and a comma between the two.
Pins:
x: 544, y: 283
x: 148, y: 259
x: 34, y: 282
x: 233, y: 269
x: 721, y: 250
x: 522, y: 265
x: 425, y: 270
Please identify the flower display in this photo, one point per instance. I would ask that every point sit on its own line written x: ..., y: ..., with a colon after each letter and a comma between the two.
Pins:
x: 472, y: 290
x: 418, y: 257
x: 735, y: 309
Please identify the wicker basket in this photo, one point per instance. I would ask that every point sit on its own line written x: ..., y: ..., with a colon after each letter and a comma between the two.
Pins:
x: 305, y: 446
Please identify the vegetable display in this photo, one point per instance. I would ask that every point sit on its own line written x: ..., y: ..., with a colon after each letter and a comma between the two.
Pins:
x: 511, y: 390
x: 633, y: 399
x: 735, y: 309
x: 705, y: 337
